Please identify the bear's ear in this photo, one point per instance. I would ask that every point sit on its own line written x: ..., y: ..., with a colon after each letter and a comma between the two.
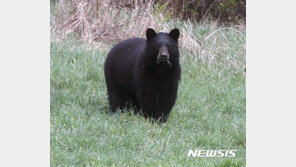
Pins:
x: 150, y: 33
x: 175, y: 33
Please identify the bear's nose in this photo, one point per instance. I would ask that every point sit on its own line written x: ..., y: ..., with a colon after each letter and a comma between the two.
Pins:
x: 163, y: 55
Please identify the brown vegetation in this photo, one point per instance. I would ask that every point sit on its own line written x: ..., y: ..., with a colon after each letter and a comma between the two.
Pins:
x: 108, y: 21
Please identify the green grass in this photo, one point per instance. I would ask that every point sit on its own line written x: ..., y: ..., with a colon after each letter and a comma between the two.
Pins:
x: 209, y: 112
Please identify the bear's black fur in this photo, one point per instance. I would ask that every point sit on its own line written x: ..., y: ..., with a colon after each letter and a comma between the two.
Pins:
x: 144, y: 74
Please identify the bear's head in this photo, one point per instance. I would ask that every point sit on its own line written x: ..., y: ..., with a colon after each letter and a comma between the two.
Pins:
x: 163, y: 47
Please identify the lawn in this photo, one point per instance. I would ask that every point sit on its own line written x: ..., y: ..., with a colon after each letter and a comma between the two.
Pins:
x: 210, y: 112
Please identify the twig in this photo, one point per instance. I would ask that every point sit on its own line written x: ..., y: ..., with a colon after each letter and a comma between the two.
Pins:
x: 203, y: 17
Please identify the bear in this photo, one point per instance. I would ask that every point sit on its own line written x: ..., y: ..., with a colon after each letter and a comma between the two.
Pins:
x: 144, y: 74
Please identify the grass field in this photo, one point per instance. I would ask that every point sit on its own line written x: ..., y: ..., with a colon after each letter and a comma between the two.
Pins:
x: 209, y: 113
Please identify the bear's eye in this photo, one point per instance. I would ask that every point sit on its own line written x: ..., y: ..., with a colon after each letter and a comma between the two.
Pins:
x: 167, y: 45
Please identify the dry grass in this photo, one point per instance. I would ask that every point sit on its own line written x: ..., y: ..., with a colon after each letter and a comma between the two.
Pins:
x: 105, y: 22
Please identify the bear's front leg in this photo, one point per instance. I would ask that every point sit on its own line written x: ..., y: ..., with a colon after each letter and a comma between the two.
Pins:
x: 157, y: 105
x: 164, y: 104
x: 147, y: 103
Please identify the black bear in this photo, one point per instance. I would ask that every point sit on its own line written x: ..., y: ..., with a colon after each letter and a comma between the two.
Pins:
x: 144, y: 73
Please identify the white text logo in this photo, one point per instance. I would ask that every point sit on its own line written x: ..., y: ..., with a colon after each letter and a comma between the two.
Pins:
x: 211, y: 153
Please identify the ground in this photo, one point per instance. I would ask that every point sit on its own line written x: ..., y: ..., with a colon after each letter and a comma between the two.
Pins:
x: 209, y: 112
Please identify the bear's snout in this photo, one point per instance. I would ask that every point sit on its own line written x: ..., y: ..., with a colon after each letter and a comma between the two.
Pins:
x: 163, y: 54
